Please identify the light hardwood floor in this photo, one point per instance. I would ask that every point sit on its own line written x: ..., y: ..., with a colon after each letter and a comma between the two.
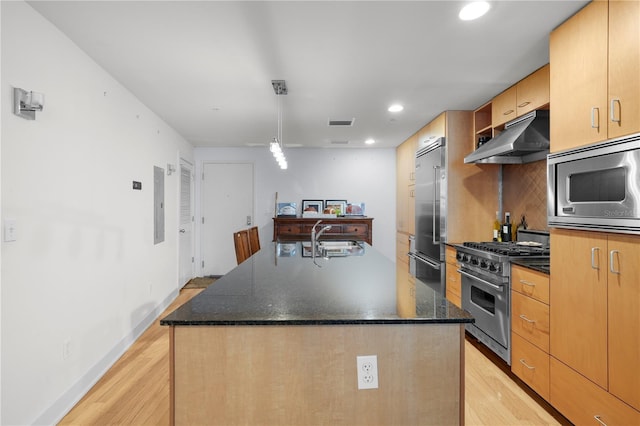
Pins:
x: 135, y: 391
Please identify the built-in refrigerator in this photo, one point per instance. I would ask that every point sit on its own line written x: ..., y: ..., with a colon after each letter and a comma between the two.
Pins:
x: 430, y: 198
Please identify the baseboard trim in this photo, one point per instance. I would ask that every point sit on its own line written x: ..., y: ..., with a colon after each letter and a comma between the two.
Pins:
x: 70, y: 398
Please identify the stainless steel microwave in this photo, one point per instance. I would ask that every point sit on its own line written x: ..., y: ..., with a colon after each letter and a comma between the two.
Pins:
x: 596, y: 186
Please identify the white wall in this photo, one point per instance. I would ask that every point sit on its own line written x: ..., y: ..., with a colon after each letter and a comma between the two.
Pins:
x: 84, y: 269
x: 357, y: 175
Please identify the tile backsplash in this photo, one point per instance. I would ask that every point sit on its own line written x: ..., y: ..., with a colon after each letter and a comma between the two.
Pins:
x: 525, y: 192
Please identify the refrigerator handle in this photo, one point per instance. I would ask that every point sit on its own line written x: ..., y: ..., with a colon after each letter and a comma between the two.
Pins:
x: 436, y: 196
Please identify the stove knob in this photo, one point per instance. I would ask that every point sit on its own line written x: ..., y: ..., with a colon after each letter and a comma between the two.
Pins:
x: 484, y: 264
x: 474, y: 260
x: 459, y: 256
x: 493, y: 267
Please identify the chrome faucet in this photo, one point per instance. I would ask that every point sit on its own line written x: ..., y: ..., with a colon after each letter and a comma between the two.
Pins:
x: 315, y: 235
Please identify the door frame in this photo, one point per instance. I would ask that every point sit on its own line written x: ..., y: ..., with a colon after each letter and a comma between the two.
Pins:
x: 185, y: 162
x: 199, y: 188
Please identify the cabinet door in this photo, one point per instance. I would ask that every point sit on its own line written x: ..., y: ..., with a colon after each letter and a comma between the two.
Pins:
x: 533, y: 91
x: 578, y: 296
x: 503, y: 107
x: 624, y: 68
x: 405, y: 176
x: 624, y: 318
x: 578, y: 57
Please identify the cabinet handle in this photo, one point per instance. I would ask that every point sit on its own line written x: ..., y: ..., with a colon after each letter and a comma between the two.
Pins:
x: 508, y: 112
x: 527, y: 319
x: 599, y: 421
x: 525, y: 282
x: 612, y: 254
x: 593, y: 257
x: 524, y: 104
x: 612, y: 109
x: 594, y: 124
x: 526, y: 365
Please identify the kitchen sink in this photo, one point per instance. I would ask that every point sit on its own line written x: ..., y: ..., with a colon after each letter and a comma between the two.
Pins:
x: 335, y: 248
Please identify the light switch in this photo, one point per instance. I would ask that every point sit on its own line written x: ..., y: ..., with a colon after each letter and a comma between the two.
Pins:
x: 10, y: 230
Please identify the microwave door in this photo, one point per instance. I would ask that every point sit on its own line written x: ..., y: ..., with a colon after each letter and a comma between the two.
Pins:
x: 427, y: 194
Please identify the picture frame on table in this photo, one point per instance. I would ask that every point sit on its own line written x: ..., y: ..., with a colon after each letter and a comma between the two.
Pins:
x: 339, y: 206
x: 287, y: 210
x: 312, y: 205
x: 355, y: 209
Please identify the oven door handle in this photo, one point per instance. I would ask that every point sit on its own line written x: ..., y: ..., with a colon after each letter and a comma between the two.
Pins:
x: 496, y: 286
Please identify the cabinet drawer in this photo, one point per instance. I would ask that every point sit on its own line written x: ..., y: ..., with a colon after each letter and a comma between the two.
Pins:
x: 290, y: 229
x: 335, y: 229
x: 453, y: 280
x: 530, y: 283
x: 531, y: 364
x: 530, y: 319
x: 582, y: 401
x: 355, y: 229
x: 450, y: 255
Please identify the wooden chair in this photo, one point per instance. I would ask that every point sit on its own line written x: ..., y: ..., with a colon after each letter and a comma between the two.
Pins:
x: 254, y: 239
x: 241, y: 241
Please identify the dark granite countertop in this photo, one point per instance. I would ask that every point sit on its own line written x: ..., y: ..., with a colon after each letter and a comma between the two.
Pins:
x: 279, y: 285
x: 540, y: 265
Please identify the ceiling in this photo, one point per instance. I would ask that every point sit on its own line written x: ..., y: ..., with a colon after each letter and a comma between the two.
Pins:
x: 206, y: 67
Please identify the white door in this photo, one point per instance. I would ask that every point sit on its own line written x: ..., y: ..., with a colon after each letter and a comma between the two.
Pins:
x: 227, y: 207
x: 186, y: 269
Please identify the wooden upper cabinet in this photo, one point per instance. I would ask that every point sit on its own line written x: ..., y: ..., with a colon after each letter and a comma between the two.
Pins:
x: 595, y: 77
x: 503, y: 107
x: 435, y: 129
x: 624, y: 68
x: 530, y: 93
x: 405, y: 183
x: 533, y: 91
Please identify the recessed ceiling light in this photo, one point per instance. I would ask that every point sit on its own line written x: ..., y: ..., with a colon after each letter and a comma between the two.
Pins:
x: 474, y: 10
x: 369, y: 141
x: 395, y: 108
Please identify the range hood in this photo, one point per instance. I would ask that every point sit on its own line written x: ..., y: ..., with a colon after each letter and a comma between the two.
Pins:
x: 523, y: 140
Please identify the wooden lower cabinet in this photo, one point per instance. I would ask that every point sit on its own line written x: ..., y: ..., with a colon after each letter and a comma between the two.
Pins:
x: 595, y: 324
x: 530, y: 328
x: 454, y: 279
x: 585, y: 403
x: 531, y: 364
x: 530, y: 319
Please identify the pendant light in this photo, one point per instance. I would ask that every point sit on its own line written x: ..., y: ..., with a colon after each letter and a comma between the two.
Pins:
x: 280, y: 88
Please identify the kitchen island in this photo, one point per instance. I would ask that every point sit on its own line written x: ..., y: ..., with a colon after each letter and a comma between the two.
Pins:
x: 275, y: 341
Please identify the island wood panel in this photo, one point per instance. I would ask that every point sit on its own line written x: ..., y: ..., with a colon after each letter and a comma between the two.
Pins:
x: 275, y: 375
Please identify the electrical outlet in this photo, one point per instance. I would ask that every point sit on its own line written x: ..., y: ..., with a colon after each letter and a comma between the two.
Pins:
x: 367, y: 371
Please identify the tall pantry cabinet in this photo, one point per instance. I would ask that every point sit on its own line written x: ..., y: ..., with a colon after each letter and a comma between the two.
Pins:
x: 594, y: 288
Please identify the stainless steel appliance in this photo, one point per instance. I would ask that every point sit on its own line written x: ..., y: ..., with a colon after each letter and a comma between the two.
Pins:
x: 430, y: 233
x: 596, y: 187
x: 523, y: 140
x: 486, y: 285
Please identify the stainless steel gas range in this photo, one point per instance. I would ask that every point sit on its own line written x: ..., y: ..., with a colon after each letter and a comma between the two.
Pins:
x: 485, y: 268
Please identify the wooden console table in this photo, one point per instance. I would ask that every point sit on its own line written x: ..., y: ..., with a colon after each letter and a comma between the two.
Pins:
x: 347, y: 227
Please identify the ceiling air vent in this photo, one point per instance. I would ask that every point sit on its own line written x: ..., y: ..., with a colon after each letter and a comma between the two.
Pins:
x: 348, y: 122
x: 339, y: 142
